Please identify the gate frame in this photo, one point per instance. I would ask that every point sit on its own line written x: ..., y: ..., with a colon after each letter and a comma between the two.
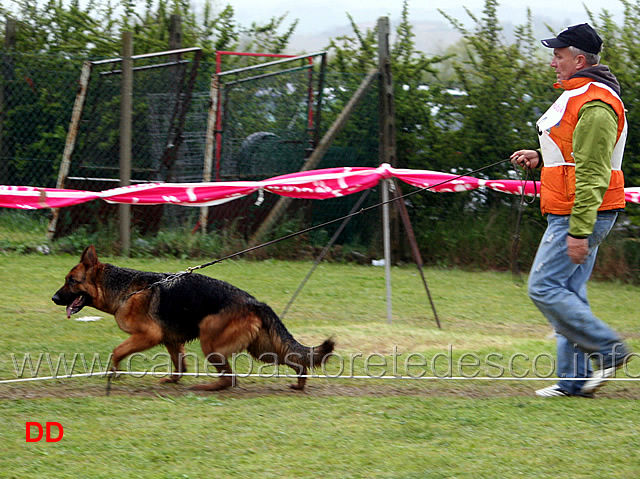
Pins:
x: 215, y: 128
x: 81, y: 96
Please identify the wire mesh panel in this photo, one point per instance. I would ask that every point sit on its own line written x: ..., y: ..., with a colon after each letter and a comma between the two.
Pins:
x: 37, y: 96
x: 162, y: 97
x: 188, y: 163
x: 270, y: 126
x: 270, y: 121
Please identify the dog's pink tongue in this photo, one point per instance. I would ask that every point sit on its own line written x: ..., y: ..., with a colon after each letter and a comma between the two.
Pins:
x: 73, y: 307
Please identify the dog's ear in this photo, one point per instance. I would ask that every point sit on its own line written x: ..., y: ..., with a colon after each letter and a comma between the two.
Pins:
x: 89, y: 256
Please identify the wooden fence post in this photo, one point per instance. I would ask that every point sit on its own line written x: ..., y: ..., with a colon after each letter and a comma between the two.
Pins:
x: 126, y: 105
x: 7, y: 74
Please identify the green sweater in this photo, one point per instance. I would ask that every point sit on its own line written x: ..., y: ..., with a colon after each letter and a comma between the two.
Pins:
x: 594, y: 139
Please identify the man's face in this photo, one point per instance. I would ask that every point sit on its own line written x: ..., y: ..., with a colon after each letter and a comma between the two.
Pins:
x: 565, y: 64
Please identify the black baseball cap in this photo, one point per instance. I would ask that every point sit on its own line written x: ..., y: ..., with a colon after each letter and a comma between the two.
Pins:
x: 581, y: 36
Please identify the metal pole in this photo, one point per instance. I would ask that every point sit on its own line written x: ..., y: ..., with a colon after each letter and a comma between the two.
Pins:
x: 387, y: 142
x: 218, y: 122
x: 386, y: 234
x: 148, y: 55
x: 125, y: 138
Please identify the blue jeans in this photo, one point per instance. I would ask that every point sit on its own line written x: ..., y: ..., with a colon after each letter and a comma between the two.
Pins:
x: 558, y: 288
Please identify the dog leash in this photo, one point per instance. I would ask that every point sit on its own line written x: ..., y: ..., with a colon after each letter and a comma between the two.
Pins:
x: 515, y: 244
x: 108, y: 391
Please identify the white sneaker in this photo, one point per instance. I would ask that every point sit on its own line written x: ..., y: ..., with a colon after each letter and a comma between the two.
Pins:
x: 557, y: 391
x: 598, y: 379
x: 552, y: 391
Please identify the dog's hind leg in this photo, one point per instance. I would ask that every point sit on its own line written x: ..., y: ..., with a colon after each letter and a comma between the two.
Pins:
x: 263, y: 349
x: 226, y: 379
x: 302, y: 379
x: 176, y: 351
x: 222, y: 335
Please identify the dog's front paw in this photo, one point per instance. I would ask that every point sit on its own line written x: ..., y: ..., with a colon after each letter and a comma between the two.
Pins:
x: 170, y: 380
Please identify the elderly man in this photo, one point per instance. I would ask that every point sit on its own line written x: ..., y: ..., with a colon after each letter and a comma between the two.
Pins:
x: 582, y: 138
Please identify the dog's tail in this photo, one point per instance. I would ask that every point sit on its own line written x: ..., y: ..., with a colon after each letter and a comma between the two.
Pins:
x: 275, y: 344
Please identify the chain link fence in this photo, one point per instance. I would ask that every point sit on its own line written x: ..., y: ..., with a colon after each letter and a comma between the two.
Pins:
x: 270, y: 121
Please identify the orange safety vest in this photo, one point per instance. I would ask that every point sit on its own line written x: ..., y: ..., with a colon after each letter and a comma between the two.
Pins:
x: 555, y: 128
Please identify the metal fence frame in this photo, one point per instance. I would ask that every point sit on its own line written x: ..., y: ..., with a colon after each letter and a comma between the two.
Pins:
x: 78, y: 107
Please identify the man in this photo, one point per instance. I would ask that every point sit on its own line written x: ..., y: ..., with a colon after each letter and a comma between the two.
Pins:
x: 582, y: 138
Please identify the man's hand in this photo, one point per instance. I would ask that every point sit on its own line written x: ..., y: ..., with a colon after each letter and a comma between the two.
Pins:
x: 577, y: 249
x: 525, y: 158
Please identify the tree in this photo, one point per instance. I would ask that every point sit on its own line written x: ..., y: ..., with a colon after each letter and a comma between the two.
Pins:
x: 621, y: 52
x: 500, y: 88
x: 411, y: 69
x: 40, y: 75
x: 94, y: 31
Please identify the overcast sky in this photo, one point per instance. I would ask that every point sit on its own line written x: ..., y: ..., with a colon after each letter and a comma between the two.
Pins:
x: 318, y: 16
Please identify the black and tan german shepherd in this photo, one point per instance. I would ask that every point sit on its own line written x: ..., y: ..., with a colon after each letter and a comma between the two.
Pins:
x: 226, y: 319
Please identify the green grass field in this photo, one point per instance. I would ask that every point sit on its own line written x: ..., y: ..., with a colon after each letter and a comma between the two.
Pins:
x: 358, y: 426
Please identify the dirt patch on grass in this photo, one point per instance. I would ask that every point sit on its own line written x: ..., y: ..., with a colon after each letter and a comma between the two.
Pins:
x: 252, y: 388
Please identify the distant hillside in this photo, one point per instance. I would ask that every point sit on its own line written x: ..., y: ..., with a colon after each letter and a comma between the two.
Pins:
x: 434, y: 36
x: 431, y: 37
